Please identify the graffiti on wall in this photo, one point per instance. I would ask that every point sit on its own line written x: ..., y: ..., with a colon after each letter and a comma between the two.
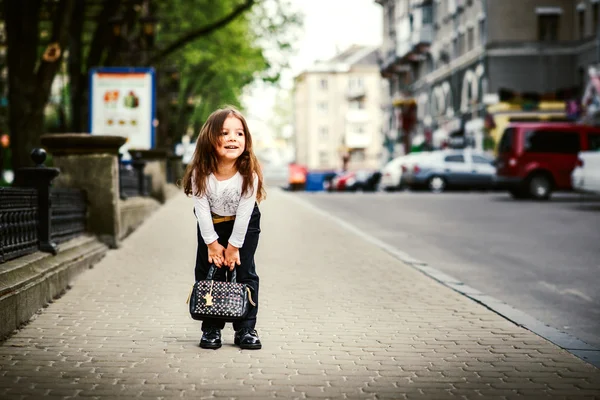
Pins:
x: 443, y: 101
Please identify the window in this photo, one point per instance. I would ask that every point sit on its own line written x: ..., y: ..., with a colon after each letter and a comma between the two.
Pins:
x: 451, y: 6
x: 481, y: 160
x: 357, y: 129
x: 323, y: 84
x: 358, y: 155
x: 455, y: 47
x: 593, y: 141
x: 541, y: 141
x: 548, y: 25
x: 429, y: 64
x: 323, y: 158
x: 581, y: 23
x: 322, y: 106
x: 458, y: 158
x: 461, y: 43
x: 427, y: 14
x: 357, y: 105
x: 470, y: 38
x: 506, y: 143
x: 391, y: 21
x: 323, y: 133
x: 355, y: 83
x: 482, y: 31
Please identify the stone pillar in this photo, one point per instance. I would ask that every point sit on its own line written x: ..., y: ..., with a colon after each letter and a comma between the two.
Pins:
x: 156, y: 166
x: 40, y: 177
x: 176, y: 169
x: 91, y: 163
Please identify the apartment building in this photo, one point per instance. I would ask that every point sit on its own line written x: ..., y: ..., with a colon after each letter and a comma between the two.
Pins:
x: 465, y: 68
x: 337, y: 111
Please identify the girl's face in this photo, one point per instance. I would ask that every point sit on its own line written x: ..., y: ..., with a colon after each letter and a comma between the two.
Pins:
x: 232, y: 141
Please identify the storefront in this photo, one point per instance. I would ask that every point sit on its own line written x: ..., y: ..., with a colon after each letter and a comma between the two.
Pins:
x: 452, y: 108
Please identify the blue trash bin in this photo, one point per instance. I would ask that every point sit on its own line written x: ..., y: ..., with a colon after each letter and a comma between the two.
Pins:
x: 314, y: 181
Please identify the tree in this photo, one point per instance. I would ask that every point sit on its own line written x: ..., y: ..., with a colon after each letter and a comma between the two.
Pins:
x: 30, y: 73
x: 83, y: 27
x: 215, y: 69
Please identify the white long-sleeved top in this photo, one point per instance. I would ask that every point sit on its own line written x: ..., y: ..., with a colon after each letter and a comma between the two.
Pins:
x: 224, y: 198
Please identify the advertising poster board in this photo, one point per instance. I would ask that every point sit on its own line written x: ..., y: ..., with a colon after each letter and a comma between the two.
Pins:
x: 123, y: 102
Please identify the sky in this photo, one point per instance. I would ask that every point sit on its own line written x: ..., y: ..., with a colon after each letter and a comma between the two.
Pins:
x: 330, y: 26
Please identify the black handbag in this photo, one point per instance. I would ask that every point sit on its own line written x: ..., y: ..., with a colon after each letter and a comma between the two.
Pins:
x: 228, y: 301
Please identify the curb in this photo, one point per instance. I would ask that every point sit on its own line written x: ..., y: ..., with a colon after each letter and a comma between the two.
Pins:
x: 573, y: 345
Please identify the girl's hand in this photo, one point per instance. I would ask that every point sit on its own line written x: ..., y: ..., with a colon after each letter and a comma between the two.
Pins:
x: 215, y: 254
x: 232, y: 256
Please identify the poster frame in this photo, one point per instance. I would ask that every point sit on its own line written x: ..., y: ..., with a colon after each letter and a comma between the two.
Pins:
x: 124, y: 70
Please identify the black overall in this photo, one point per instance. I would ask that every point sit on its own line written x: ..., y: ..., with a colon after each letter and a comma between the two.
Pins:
x: 246, y: 271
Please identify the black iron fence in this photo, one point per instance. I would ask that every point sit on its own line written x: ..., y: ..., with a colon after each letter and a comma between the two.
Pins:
x: 18, y: 222
x: 34, y: 216
x: 132, y: 180
x: 68, y: 213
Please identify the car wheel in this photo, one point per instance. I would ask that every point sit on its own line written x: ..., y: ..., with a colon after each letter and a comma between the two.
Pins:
x: 436, y: 184
x: 540, y: 186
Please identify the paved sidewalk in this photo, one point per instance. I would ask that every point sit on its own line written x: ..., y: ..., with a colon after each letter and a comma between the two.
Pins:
x: 339, y: 318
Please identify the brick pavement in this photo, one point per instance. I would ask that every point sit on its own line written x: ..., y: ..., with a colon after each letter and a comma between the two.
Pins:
x: 339, y: 318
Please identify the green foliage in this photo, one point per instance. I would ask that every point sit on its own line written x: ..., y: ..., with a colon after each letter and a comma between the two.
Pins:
x: 215, y: 69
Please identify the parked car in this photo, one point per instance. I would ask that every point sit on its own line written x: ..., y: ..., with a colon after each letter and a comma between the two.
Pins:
x: 328, y: 181
x: 391, y: 173
x: 352, y: 181
x: 364, y: 180
x: 586, y: 175
x: 445, y: 169
x: 341, y: 180
x: 408, y: 164
x: 537, y: 158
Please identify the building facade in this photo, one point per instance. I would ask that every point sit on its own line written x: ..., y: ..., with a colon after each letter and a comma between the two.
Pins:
x: 337, y: 112
x: 463, y: 69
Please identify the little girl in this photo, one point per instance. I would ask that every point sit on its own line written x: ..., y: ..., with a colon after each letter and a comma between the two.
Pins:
x: 225, y: 180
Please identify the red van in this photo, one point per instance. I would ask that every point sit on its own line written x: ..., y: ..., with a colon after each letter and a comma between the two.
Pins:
x: 537, y: 158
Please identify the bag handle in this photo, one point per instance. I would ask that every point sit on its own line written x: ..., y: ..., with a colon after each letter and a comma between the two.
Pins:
x: 213, y: 269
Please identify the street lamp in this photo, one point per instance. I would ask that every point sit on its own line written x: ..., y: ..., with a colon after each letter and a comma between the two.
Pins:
x: 142, y: 42
x: 117, y: 24
x: 149, y: 28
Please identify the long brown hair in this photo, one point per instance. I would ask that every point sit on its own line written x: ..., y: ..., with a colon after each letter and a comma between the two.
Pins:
x: 205, y: 161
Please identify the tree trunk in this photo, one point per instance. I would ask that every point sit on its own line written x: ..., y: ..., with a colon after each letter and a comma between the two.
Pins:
x: 29, y: 88
x: 28, y: 124
x: 24, y: 120
x: 76, y: 77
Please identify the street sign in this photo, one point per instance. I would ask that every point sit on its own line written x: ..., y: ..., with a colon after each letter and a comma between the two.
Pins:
x: 123, y: 102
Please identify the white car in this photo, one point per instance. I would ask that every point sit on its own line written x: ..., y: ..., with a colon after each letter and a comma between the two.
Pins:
x: 391, y: 174
x: 586, y: 175
x: 442, y: 169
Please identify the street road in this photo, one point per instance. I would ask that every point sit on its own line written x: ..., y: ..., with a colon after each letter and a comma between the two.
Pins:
x: 541, y: 258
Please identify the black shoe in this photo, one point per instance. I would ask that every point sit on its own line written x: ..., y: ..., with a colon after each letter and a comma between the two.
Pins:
x: 211, y: 338
x: 247, y: 338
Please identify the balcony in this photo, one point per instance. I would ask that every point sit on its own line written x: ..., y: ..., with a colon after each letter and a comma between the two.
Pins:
x: 422, y: 37
x: 403, y: 47
x: 356, y: 93
x: 357, y: 140
x: 357, y: 116
x: 393, y: 63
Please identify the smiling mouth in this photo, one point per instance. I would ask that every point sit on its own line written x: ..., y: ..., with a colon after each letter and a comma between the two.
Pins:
x: 231, y: 147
